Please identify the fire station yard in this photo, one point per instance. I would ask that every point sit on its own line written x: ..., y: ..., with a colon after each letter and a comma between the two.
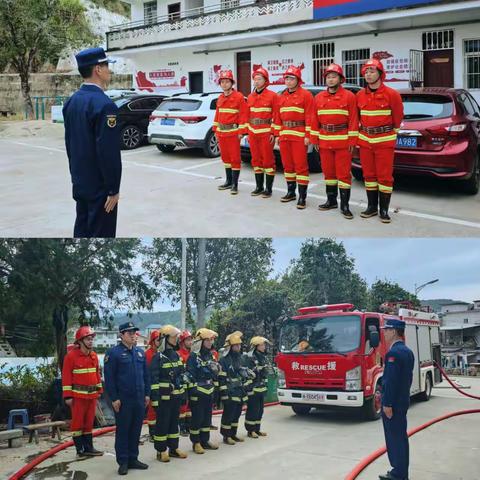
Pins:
x: 324, y: 445
x: 175, y: 194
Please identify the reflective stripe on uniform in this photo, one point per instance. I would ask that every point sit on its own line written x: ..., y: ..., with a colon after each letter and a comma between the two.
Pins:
x: 332, y: 137
x: 292, y: 132
x: 84, y: 370
x: 343, y: 184
x: 159, y: 438
x: 385, y: 189
x: 292, y: 109
x: 331, y: 182
x: 387, y: 138
x: 333, y: 112
x: 67, y: 388
x: 375, y: 113
x: 302, y: 177
x: 259, y: 130
x: 353, y: 133
x: 77, y: 433
x: 228, y: 110
x: 260, y: 109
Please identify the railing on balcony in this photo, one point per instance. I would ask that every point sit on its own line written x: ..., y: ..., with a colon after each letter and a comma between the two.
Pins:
x: 208, y: 20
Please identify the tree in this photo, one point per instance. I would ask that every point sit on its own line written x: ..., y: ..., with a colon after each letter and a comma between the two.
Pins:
x: 48, y: 283
x: 324, y: 273
x: 385, y: 291
x: 232, y: 266
x: 36, y: 31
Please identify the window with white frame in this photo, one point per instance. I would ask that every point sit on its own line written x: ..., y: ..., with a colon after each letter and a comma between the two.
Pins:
x: 228, y: 4
x: 471, y: 54
x: 150, y: 12
x: 323, y: 54
x: 437, y: 40
x: 352, y: 65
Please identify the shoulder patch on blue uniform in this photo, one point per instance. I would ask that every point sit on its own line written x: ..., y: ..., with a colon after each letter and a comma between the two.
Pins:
x: 105, y: 359
x: 112, y: 121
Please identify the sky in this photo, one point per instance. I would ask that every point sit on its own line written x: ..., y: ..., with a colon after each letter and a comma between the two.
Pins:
x: 410, y: 262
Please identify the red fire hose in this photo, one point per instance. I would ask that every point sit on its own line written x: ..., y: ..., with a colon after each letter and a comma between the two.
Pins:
x: 364, y: 463
x: 100, y: 431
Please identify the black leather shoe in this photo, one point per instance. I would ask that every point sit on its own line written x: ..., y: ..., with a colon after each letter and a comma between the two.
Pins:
x: 123, y: 469
x: 137, y: 465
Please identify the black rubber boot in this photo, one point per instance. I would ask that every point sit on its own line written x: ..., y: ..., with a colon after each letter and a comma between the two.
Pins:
x: 259, y: 188
x: 88, y: 449
x: 235, y: 177
x: 79, y: 446
x: 344, y: 199
x: 228, y: 180
x: 290, y: 196
x: 384, y: 204
x: 331, y: 203
x: 302, y: 197
x: 372, y: 207
x: 267, y: 193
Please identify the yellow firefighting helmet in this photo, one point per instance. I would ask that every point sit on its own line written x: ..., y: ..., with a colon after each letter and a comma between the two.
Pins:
x: 234, y: 338
x: 256, y: 341
x: 169, y: 330
x: 205, y: 334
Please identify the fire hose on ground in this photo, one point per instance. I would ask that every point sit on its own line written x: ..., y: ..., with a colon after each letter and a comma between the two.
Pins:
x: 99, y: 431
x: 365, y: 462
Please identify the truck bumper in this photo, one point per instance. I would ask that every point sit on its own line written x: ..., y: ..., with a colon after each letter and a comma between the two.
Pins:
x: 319, y: 398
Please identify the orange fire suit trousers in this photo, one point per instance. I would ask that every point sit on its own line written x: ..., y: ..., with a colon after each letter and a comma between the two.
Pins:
x: 377, y: 166
x: 295, y: 161
x: 263, y: 158
x: 336, y: 167
x: 83, y: 416
x: 230, y: 151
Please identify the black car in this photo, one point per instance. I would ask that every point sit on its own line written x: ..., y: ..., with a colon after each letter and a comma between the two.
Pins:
x: 313, y: 157
x: 133, y: 116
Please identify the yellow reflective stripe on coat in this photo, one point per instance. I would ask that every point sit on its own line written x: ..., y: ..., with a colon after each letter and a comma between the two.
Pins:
x: 155, y: 403
x: 229, y: 130
x: 173, y: 435
x: 228, y: 110
x: 353, y: 133
x: 206, y: 391
x: 260, y: 109
x: 260, y: 389
x: 160, y: 438
x: 84, y: 370
x: 375, y: 113
x: 259, y: 130
x: 292, y: 132
x: 332, y: 112
x: 292, y: 109
x: 276, y: 127
x: 384, y: 188
x: 84, y: 393
x: 178, y: 392
x: 387, y: 138
x: 67, y: 388
x: 332, y: 137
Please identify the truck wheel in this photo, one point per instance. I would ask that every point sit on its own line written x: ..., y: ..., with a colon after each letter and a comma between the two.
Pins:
x: 301, y: 409
x: 166, y: 148
x: 425, y: 395
x: 372, y: 408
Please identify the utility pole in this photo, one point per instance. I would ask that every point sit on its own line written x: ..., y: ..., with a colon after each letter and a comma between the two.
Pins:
x: 183, y: 320
x: 201, y: 283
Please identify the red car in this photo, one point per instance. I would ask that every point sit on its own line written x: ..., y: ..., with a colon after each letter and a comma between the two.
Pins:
x: 439, y: 137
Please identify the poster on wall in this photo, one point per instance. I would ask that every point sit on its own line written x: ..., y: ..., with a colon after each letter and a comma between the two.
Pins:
x: 213, y: 74
x: 276, y: 67
x: 163, y: 79
x: 397, y: 66
x: 323, y: 9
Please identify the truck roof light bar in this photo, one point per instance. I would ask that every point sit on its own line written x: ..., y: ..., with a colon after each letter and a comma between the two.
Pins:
x: 335, y: 307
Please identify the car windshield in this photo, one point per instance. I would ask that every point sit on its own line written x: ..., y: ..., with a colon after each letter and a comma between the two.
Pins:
x: 179, y: 105
x: 418, y: 107
x: 119, y: 102
x: 333, y: 334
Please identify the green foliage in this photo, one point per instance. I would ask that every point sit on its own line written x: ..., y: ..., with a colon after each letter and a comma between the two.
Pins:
x: 386, y: 291
x: 116, y: 6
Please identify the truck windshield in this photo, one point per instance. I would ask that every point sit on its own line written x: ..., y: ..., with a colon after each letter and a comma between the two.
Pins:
x: 336, y: 334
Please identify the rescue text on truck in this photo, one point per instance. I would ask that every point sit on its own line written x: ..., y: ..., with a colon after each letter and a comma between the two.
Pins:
x: 332, y: 356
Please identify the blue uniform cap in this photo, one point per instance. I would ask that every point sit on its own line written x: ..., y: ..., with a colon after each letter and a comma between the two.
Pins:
x: 92, y: 56
x: 128, y: 327
x: 394, y: 323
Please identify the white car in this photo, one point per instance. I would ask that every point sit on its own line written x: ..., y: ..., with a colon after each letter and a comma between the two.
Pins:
x: 185, y: 120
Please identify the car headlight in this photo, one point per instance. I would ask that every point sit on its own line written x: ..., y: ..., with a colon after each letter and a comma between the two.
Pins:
x: 353, y: 379
x: 281, y: 379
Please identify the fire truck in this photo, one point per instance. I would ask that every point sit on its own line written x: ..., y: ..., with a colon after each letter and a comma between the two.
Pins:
x: 333, y: 356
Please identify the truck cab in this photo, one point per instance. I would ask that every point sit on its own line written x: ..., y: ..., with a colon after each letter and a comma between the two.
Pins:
x: 332, y: 355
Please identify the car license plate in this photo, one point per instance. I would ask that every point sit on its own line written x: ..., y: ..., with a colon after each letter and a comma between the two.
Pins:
x: 407, y: 142
x: 167, y: 121
x: 313, y: 397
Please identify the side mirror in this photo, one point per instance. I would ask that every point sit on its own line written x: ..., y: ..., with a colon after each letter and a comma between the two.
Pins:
x: 374, y: 339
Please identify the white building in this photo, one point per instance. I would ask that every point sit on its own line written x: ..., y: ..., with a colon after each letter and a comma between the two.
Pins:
x: 105, y: 338
x: 182, y: 45
x: 460, y: 333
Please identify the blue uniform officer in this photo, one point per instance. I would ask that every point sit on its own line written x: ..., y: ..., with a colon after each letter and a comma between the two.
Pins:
x: 396, y: 383
x: 128, y: 385
x: 92, y: 139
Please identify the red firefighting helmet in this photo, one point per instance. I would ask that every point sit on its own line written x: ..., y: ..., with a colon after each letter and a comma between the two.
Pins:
x: 261, y: 71
x: 225, y: 74
x: 294, y: 72
x: 335, y: 68
x: 373, y: 62
x: 83, y: 332
x: 153, y: 336
x: 184, y: 335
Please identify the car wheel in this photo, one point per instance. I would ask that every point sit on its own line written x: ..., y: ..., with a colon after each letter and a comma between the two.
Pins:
x: 471, y: 186
x: 131, y: 137
x: 211, y: 148
x: 357, y: 174
x: 166, y: 148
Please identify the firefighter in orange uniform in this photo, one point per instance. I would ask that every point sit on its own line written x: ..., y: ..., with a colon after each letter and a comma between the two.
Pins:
x: 185, y: 345
x: 335, y: 131
x: 152, y: 349
x: 292, y: 126
x: 229, y: 125
x: 261, y: 105
x: 82, y: 385
x: 381, y: 113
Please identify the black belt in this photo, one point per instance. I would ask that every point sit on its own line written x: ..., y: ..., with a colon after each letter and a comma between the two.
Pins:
x: 377, y: 130
x: 227, y: 126
x: 293, y: 124
x: 329, y: 127
x: 260, y: 121
x: 85, y: 388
